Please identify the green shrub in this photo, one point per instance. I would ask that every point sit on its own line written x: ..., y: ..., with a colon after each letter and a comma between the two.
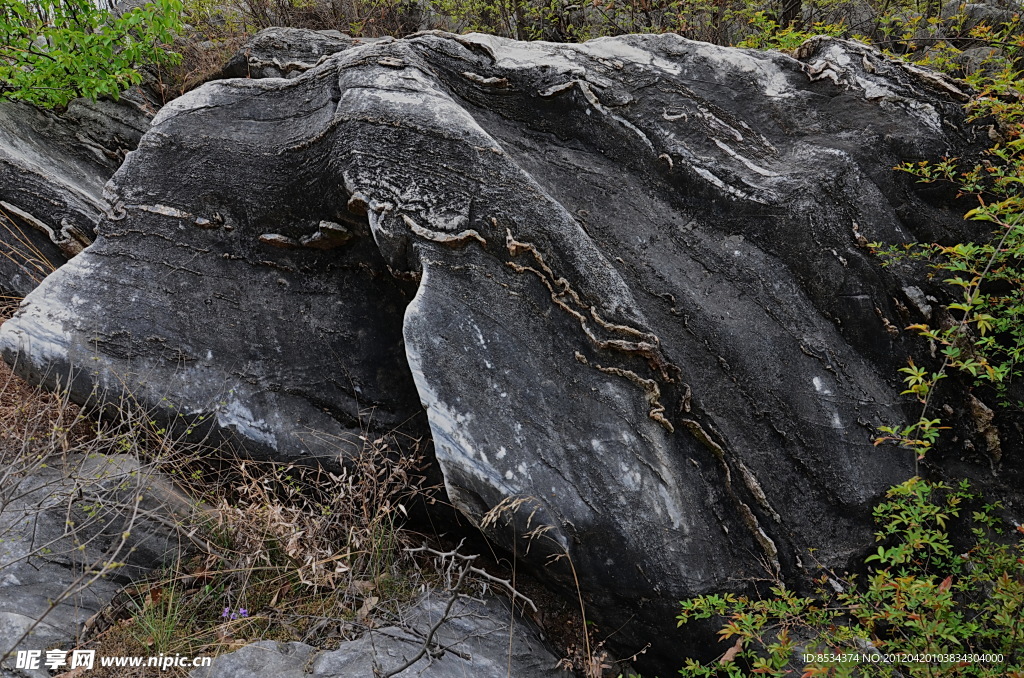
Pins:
x: 52, y: 51
x: 982, y: 336
x: 768, y: 34
x: 935, y: 602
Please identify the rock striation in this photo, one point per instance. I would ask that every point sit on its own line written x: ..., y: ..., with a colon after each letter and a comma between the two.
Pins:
x: 52, y: 171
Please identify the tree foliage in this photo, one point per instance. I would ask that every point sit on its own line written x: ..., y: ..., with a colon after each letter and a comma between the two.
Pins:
x: 52, y: 51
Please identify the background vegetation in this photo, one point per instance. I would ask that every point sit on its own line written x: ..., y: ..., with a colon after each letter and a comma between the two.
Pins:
x: 52, y: 51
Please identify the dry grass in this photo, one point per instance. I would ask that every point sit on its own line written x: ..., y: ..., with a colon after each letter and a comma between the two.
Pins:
x: 203, y: 57
x: 287, y: 553
x: 34, y: 423
x: 359, y: 18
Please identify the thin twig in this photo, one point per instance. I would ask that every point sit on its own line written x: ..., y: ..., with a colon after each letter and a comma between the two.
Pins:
x: 504, y: 583
x: 429, y: 639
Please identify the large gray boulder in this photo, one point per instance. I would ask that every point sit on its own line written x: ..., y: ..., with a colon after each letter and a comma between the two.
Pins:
x: 626, y: 279
x: 52, y: 171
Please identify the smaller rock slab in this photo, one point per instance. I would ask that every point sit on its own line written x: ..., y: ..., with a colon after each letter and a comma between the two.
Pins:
x: 58, y: 524
x: 52, y: 172
x: 473, y: 641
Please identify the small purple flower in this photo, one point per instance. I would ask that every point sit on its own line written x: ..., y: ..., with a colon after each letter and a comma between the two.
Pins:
x: 226, y: 613
x: 240, y: 614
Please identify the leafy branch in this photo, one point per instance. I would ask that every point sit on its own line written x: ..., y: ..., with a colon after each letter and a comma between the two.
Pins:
x: 52, y: 51
x: 985, y: 341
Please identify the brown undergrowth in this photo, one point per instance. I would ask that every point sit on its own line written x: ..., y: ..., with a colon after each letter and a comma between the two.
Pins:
x: 34, y: 423
x: 292, y: 554
x: 203, y: 57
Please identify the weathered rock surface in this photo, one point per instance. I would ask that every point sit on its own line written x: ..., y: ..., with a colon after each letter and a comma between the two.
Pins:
x: 52, y: 171
x: 479, y: 638
x: 49, y: 586
x: 287, y: 52
x: 298, y: 340
x: 629, y: 277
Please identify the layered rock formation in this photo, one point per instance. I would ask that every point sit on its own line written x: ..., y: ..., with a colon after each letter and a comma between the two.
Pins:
x: 627, y: 280
x: 52, y: 172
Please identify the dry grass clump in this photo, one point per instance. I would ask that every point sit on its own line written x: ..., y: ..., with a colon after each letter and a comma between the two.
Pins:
x: 34, y: 423
x: 203, y: 56
x: 287, y: 552
x: 330, y: 527
x: 360, y: 18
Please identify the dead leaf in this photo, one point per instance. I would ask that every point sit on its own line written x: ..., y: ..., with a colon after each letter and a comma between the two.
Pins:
x: 362, y: 586
x: 946, y: 583
x: 154, y: 596
x: 367, y: 607
x: 731, y: 653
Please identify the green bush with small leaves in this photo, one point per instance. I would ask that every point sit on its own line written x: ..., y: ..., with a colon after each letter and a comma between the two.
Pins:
x: 52, y: 51
x: 980, y: 334
x: 943, y: 596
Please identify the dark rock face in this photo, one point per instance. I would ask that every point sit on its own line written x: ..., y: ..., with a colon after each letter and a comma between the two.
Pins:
x: 629, y: 278
x: 487, y: 639
x: 52, y: 172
